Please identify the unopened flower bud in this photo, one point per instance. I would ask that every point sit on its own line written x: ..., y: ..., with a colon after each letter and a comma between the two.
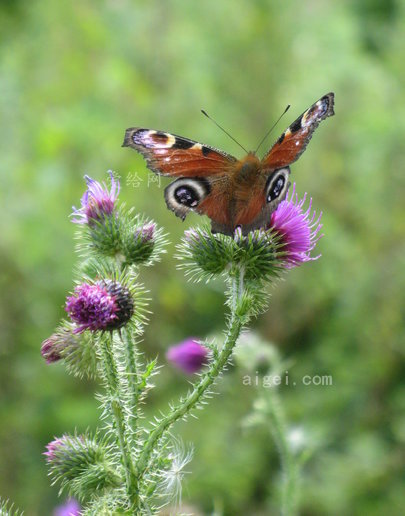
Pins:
x: 206, y: 250
x: 139, y: 245
x: 59, y: 345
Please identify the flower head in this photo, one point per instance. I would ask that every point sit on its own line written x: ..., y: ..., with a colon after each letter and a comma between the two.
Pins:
x: 189, y: 356
x: 97, y: 201
x: 105, y: 305
x: 297, y: 229
x: 70, y: 508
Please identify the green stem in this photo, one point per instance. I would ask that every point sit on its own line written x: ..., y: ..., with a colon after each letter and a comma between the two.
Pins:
x: 289, y: 465
x: 216, y: 368
x: 132, y: 377
x: 122, y: 432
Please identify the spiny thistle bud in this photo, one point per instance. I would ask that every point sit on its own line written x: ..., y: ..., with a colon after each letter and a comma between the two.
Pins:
x: 76, y: 350
x: 297, y: 230
x: 105, y: 305
x: 209, y: 252
x: 139, y: 244
x: 51, y: 349
x: 256, y: 254
x: 60, y: 344
x: 80, y: 457
x: 189, y: 356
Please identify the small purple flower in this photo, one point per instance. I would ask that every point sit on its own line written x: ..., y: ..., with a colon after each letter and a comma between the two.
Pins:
x: 70, y: 508
x: 97, y: 202
x: 189, y: 356
x: 298, y: 230
x: 106, y: 305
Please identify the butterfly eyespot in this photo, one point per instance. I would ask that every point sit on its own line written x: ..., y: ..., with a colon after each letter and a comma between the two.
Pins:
x: 277, y: 184
x: 187, y: 196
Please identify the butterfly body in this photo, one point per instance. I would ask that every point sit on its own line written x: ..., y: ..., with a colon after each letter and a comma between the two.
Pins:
x: 231, y: 192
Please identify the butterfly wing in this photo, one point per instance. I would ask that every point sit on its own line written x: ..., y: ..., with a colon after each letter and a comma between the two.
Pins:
x: 292, y: 143
x: 175, y: 156
x: 203, y: 172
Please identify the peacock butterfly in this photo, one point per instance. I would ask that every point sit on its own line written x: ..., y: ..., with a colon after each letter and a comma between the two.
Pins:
x: 229, y: 191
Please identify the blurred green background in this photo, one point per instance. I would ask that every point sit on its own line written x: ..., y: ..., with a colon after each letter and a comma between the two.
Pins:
x: 73, y: 77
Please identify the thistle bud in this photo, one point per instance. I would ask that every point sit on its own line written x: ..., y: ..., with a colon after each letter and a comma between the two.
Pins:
x: 139, y: 244
x: 59, y: 344
x: 208, y: 252
x: 70, y: 457
x: 256, y: 253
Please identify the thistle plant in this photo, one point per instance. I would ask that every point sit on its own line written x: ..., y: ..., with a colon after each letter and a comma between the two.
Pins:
x: 129, y: 465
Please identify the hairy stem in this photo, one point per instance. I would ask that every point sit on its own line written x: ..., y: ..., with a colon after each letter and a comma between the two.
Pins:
x: 207, y: 379
x: 132, y: 374
x: 118, y: 415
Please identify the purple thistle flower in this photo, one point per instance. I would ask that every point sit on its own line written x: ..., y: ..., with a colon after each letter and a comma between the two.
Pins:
x: 298, y: 230
x: 189, y: 356
x: 97, y: 201
x: 70, y: 508
x: 106, y: 305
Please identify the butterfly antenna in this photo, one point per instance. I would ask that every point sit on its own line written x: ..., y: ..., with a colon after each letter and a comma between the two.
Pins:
x: 222, y: 129
x: 272, y: 127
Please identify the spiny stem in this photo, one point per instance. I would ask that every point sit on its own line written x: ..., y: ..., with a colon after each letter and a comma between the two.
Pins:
x: 132, y: 377
x: 111, y: 375
x: 216, y: 368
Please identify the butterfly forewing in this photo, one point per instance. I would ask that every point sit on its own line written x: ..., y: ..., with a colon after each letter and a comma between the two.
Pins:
x: 172, y: 155
x: 292, y: 143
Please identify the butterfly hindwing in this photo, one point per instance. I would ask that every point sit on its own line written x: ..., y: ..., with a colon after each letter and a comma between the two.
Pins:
x: 172, y: 155
x: 294, y: 140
